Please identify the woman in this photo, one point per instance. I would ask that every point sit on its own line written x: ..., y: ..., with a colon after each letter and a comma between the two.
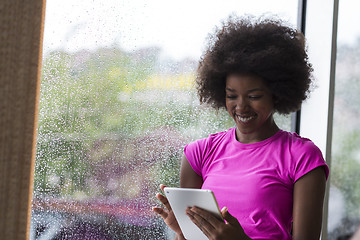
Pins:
x: 271, y: 181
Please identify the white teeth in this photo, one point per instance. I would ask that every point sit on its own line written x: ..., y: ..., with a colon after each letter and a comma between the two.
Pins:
x: 245, y: 119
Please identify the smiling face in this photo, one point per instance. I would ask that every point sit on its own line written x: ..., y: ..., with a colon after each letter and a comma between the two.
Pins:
x: 250, y: 103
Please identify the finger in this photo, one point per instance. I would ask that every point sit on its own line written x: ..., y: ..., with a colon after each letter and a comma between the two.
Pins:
x: 228, y: 217
x: 200, y: 222
x: 164, y: 201
x: 162, y: 186
x: 160, y: 212
x: 208, y: 216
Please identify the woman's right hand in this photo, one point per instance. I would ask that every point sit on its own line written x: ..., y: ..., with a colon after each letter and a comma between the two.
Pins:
x: 167, y: 214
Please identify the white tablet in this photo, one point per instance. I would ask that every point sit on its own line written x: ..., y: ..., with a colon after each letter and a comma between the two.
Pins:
x: 182, y: 198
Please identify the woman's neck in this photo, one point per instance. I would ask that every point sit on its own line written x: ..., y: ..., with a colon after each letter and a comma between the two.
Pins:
x: 267, y: 130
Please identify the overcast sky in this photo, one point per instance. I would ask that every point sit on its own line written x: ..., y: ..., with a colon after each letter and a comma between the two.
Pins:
x: 178, y: 27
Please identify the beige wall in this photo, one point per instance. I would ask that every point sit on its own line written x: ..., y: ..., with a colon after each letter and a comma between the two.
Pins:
x: 21, y: 24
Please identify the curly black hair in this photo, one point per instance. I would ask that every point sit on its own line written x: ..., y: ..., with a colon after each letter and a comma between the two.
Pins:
x: 265, y: 47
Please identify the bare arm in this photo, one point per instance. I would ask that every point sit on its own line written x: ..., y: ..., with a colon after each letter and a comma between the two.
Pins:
x: 309, y: 193
x: 188, y: 177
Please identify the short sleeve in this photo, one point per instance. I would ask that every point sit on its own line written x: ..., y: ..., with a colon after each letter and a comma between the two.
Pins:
x: 308, y: 157
x: 195, y: 154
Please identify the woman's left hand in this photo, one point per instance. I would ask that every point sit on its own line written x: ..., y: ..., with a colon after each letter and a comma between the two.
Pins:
x: 215, y: 228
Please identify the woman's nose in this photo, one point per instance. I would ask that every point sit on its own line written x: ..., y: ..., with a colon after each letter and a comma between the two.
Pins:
x: 241, y: 104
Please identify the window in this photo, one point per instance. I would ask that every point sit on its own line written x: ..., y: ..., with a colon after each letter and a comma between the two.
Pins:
x: 117, y: 106
x: 344, y: 209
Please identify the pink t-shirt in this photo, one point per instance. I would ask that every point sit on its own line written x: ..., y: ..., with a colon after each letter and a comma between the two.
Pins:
x: 255, y: 181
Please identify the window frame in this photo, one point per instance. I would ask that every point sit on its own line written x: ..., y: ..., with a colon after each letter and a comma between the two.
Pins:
x: 22, y: 27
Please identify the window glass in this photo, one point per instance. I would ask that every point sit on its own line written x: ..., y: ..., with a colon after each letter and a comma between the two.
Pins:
x: 344, y: 208
x: 117, y: 106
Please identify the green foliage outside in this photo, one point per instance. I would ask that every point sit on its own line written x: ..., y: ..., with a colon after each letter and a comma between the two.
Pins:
x: 346, y: 169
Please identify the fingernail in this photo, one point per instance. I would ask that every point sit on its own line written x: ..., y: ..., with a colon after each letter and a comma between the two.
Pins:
x: 224, y: 209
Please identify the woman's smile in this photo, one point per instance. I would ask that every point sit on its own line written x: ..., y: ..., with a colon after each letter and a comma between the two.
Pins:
x: 250, y: 103
x: 244, y: 119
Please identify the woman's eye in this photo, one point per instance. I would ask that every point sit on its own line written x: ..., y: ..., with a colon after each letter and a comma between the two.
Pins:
x: 255, y: 97
x: 230, y: 96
